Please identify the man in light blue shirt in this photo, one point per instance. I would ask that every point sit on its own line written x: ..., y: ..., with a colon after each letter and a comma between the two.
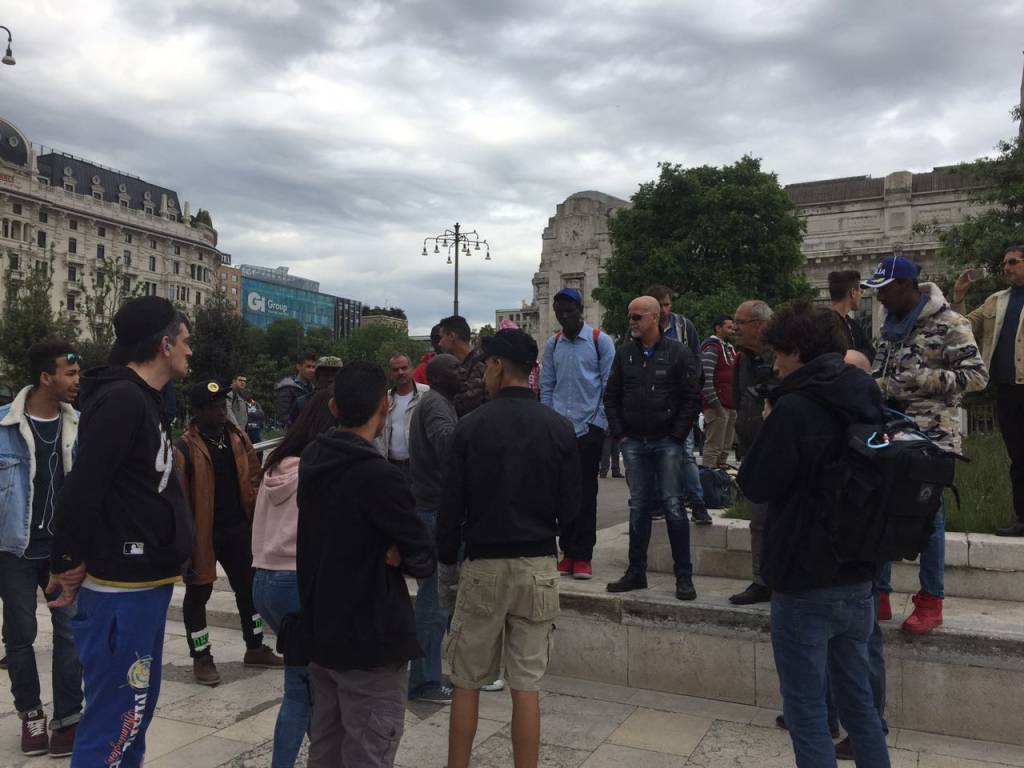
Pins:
x: 577, y: 363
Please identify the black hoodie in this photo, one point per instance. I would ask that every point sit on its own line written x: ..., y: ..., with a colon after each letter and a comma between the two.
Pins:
x: 798, y: 439
x: 353, y: 505
x: 122, y: 510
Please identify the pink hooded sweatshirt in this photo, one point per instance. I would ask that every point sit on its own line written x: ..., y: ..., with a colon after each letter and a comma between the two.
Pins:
x: 276, y: 518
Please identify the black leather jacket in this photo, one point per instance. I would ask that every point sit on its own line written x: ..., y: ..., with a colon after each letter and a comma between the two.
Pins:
x: 653, y: 397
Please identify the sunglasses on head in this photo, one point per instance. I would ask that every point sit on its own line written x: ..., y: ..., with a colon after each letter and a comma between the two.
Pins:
x: 71, y: 357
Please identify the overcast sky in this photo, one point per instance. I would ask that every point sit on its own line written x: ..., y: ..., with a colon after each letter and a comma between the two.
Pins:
x: 332, y: 137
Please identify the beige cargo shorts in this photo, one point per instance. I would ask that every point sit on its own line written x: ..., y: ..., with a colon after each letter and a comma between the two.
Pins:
x: 505, y: 609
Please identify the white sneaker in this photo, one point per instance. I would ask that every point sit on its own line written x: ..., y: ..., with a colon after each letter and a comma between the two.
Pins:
x: 497, y: 685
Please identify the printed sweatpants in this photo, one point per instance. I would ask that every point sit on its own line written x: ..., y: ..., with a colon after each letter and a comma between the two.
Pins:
x: 120, y: 639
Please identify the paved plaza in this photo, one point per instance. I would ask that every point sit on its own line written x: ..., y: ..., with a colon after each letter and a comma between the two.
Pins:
x: 585, y: 724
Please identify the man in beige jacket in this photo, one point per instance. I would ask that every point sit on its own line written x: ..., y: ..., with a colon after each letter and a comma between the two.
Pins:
x: 999, y: 328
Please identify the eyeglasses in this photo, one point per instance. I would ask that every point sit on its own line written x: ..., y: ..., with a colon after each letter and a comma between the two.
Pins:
x: 737, y: 321
x: 1012, y: 262
x: 636, y: 318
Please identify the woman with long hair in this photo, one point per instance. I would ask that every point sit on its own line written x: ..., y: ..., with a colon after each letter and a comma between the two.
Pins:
x: 275, y: 589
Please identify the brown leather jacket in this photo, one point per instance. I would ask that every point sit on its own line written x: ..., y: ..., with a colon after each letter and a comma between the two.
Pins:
x: 197, y: 482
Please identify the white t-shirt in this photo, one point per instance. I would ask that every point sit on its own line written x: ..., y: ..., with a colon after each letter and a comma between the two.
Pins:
x: 399, y: 448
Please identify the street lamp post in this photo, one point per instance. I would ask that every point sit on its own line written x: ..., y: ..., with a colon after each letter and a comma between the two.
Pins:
x: 453, y: 238
x: 8, y: 57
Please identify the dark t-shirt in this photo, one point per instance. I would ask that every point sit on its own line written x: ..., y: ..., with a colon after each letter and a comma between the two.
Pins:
x: 47, y: 484
x: 1004, y: 369
x: 227, y: 505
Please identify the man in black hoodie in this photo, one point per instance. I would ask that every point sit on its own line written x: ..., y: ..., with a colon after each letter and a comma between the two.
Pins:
x: 123, y: 531
x: 823, y: 611
x: 512, y: 486
x: 358, y: 536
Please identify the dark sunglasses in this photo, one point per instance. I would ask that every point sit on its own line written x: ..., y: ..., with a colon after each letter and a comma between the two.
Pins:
x: 72, y: 358
x: 638, y: 318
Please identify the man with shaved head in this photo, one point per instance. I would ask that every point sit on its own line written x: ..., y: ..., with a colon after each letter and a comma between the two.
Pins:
x: 651, y: 401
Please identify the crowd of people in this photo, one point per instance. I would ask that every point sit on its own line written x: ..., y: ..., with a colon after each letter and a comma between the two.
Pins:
x: 475, y: 473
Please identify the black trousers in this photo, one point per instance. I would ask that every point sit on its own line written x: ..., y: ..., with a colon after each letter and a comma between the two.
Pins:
x: 610, y: 455
x: 579, y: 539
x: 232, y: 546
x: 1010, y: 410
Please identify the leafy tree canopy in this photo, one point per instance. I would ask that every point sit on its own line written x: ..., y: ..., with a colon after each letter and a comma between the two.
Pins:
x: 202, y: 217
x: 714, y: 235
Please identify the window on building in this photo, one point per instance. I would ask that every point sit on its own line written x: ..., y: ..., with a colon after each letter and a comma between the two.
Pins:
x: 128, y: 237
x: 177, y: 267
x: 149, y: 209
x: 152, y: 242
x: 72, y: 245
x: 124, y: 203
x: 199, y: 298
x: 101, y: 231
x: 73, y: 224
x: 234, y: 291
x: 43, y: 217
x: 97, y: 195
x: 234, y: 278
x: 69, y: 187
x: 152, y: 263
x: 127, y: 285
x: 13, y: 262
x: 72, y: 273
x: 41, y: 239
x: 200, y: 256
x: 177, y: 250
x: 16, y: 208
x: 127, y: 258
x: 6, y: 229
x: 171, y: 217
x: 72, y: 303
x: 100, y: 251
x: 192, y: 271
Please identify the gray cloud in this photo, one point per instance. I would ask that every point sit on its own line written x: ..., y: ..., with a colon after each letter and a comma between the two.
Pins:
x: 335, y: 137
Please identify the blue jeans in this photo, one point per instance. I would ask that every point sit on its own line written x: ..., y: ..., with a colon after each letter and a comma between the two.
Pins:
x: 932, y: 560
x: 20, y: 580
x: 821, y: 636
x: 120, y: 639
x: 276, y: 594
x: 431, y: 622
x: 691, y: 475
x: 654, y: 472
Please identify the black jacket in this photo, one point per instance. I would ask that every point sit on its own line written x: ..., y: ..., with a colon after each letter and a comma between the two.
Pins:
x: 122, y: 509
x: 353, y: 504
x: 796, y: 442
x: 753, y: 371
x: 656, y: 397
x: 512, y: 482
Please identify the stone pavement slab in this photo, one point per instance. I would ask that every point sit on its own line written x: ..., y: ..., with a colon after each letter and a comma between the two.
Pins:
x: 584, y: 725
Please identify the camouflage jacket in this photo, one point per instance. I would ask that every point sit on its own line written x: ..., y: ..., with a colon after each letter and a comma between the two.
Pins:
x: 472, y: 392
x: 927, y: 373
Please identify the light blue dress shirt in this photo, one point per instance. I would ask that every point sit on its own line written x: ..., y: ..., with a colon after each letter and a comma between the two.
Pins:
x: 574, y: 376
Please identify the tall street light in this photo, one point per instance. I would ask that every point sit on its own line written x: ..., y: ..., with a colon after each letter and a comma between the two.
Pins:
x: 456, y: 238
x: 8, y: 57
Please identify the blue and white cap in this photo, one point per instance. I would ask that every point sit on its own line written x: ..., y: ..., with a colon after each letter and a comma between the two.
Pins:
x: 892, y: 268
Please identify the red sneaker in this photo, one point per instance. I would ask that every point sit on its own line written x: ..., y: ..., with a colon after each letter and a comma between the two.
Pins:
x: 34, y: 740
x: 581, y: 570
x: 62, y: 741
x: 927, y: 614
x: 565, y: 566
x: 884, y: 608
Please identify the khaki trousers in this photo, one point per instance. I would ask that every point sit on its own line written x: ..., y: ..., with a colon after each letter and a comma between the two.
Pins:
x: 719, y: 433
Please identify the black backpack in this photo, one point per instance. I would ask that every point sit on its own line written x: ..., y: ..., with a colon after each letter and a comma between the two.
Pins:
x: 719, y: 488
x: 880, y: 495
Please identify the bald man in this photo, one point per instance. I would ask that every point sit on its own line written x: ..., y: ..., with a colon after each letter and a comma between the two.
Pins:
x: 651, y: 401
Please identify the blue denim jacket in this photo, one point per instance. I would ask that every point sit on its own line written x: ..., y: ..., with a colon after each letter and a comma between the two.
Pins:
x: 18, y: 469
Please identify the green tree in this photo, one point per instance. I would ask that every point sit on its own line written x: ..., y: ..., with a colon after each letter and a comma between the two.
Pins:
x: 980, y: 240
x: 222, y: 345
x: 108, y: 289
x: 377, y: 343
x: 28, y: 316
x: 284, y: 340
x: 202, y: 217
x: 714, y: 235
x: 485, y: 331
x: 320, y: 341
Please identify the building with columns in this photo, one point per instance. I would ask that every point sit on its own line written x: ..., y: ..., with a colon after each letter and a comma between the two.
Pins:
x: 54, y: 206
x: 852, y: 223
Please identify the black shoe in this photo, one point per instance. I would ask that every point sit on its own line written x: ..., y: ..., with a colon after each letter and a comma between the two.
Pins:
x: 755, y: 593
x: 603, y: 474
x: 1017, y: 529
x: 628, y: 583
x: 700, y: 515
x: 843, y: 749
x: 658, y: 515
x: 685, y: 590
x: 780, y: 721
x: 616, y: 473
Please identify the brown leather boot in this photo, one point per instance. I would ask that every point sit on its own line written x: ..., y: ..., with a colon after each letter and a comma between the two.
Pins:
x: 262, y: 657
x: 204, y: 670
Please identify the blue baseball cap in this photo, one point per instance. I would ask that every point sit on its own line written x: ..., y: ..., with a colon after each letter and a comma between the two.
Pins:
x: 572, y: 294
x: 892, y: 268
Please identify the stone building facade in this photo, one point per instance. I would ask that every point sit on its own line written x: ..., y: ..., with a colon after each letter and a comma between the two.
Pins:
x: 525, y: 316
x: 59, y: 208
x: 230, y: 280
